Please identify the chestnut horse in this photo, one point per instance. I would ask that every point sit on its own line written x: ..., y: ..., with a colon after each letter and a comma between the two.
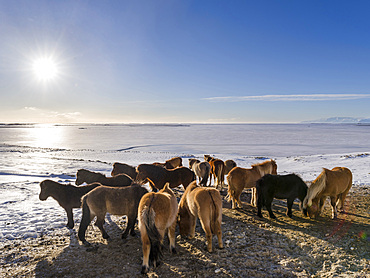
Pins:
x: 159, y: 176
x: 123, y: 168
x: 205, y: 204
x: 68, y: 196
x: 157, y: 213
x: 114, y: 200
x: 90, y: 177
x: 217, y: 170
x: 202, y: 169
x: 334, y: 183
x: 240, y: 178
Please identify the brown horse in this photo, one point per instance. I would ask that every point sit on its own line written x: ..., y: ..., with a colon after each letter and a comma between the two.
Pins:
x: 68, y: 196
x: 90, y: 177
x: 240, y: 178
x: 170, y: 163
x: 334, y: 183
x: 114, y: 200
x: 205, y: 203
x: 202, y: 170
x: 159, y: 176
x: 217, y: 170
x: 229, y: 165
x: 122, y: 168
x: 157, y: 213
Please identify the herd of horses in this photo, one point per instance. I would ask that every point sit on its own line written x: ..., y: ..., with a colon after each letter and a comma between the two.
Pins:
x: 158, y: 211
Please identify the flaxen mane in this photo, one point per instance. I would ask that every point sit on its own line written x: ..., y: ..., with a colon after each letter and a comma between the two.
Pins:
x: 316, y: 188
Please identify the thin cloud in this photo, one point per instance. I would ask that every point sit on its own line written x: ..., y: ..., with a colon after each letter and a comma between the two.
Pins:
x: 311, y: 97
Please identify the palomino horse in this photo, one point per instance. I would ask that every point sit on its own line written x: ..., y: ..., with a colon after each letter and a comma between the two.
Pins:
x: 68, y: 196
x: 334, y: 183
x: 114, y: 200
x: 157, y: 213
x: 123, y: 168
x: 205, y: 204
x: 159, y: 176
x: 287, y: 187
x: 217, y: 170
x: 202, y: 169
x: 90, y: 177
x: 240, y: 178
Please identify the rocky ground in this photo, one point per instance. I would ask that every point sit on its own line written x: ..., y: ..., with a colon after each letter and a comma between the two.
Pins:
x: 254, y: 247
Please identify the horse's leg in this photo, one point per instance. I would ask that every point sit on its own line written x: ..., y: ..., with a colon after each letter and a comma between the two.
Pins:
x: 219, y: 232
x: 341, y: 200
x: 237, y: 197
x: 193, y: 223
x: 130, y: 226
x: 333, y: 201
x: 254, y: 197
x: 99, y: 223
x: 70, y: 223
x: 151, y: 184
x: 268, y: 202
x: 146, y: 251
x: 289, y: 207
x: 171, y: 236
x: 206, y: 225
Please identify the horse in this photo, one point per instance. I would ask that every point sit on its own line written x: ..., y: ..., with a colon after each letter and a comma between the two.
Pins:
x: 157, y: 213
x: 170, y: 163
x: 159, y: 176
x: 90, y: 177
x: 229, y: 165
x: 240, y: 178
x: 217, y: 170
x: 122, y: 168
x: 287, y: 187
x: 68, y: 196
x: 114, y: 200
x: 205, y: 204
x: 334, y: 183
x: 201, y: 169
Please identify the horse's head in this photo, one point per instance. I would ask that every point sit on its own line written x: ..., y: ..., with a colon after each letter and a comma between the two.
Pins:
x: 183, y: 219
x: 80, y: 177
x: 44, y: 193
x: 312, y: 209
x: 141, y: 176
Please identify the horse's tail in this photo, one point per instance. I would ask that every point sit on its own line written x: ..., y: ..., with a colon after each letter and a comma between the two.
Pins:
x: 230, y: 188
x: 220, y: 174
x: 155, y: 238
x: 316, y: 187
x: 85, y: 221
x: 215, y: 213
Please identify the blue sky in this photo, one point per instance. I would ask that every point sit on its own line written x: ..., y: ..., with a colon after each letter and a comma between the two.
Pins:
x: 185, y: 61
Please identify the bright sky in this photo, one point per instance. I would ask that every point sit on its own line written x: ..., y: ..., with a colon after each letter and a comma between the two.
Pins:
x: 183, y: 61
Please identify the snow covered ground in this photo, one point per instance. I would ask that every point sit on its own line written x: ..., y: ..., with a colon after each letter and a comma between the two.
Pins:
x: 30, y: 154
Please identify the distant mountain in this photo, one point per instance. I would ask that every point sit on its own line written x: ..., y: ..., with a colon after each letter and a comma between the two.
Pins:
x: 341, y: 120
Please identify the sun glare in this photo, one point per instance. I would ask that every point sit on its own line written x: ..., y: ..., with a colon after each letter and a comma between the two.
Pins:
x: 45, y: 69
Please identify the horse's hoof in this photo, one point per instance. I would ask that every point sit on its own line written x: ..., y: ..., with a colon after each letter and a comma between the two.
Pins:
x: 144, y: 269
x: 86, y: 243
x: 70, y: 226
x: 173, y: 250
x: 260, y: 215
x: 123, y: 236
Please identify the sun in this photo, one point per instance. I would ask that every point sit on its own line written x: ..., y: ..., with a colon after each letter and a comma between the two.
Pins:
x: 45, y: 69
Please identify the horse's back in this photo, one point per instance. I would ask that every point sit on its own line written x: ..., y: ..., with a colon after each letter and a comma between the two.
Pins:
x: 338, y: 179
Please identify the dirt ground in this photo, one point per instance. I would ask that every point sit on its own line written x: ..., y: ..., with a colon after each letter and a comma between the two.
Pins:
x: 254, y: 247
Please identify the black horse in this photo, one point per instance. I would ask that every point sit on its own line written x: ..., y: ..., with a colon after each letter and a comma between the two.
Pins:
x: 287, y: 187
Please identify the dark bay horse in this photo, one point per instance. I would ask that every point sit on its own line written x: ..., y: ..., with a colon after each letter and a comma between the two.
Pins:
x: 159, y: 176
x: 68, y: 196
x: 287, y: 187
x: 90, y: 177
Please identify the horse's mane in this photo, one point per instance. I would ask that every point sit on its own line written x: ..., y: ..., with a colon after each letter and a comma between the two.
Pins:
x: 262, y: 166
x: 317, y: 186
